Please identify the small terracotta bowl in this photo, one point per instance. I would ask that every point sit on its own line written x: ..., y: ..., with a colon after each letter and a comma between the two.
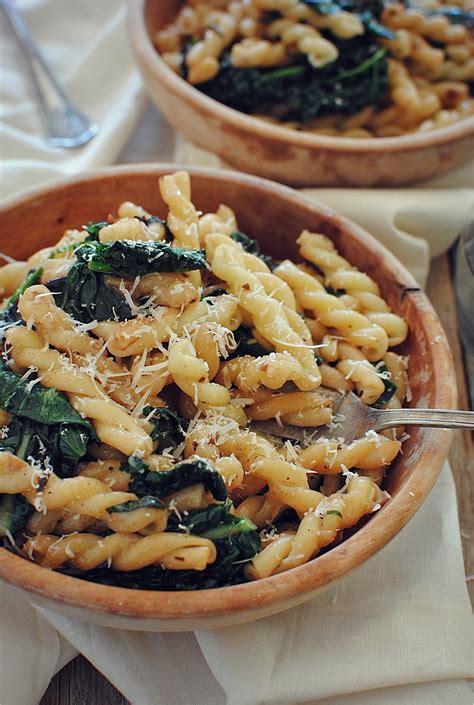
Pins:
x: 275, y: 215
x: 288, y: 156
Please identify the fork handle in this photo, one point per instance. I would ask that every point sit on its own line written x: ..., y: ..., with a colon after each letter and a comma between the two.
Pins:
x: 48, y: 90
x: 442, y: 418
x: 65, y: 125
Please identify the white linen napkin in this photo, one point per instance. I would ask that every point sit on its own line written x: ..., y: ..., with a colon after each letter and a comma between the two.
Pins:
x: 85, y: 43
x: 394, y: 633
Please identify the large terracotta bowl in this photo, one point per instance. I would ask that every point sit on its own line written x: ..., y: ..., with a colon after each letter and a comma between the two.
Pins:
x: 288, y: 156
x: 275, y: 215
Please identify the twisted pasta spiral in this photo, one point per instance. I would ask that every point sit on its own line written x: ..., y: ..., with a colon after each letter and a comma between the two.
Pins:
x: 317, y: 529
x: 332, y: 312
x: 268, y: 315
x: 87, y: 497
x: 125, y: 552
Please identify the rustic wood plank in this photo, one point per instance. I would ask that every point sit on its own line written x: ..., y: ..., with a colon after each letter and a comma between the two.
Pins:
x: 440, y: 289
x: 81, y: 683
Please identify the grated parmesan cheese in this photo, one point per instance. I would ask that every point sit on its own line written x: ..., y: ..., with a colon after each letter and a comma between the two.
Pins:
x: 374, y: 437
x: 348, y: 474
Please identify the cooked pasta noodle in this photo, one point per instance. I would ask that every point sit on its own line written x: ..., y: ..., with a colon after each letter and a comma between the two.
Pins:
x: 131, y: 389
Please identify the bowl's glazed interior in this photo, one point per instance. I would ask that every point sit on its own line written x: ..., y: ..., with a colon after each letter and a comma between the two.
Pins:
x: 275, y: 215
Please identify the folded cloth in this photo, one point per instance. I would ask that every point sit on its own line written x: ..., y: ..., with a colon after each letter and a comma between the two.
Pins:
x: 86, y: 45
x: 394, y: 633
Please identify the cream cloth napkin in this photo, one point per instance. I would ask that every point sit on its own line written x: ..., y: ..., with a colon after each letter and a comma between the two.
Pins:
x: 86, y: 44
x: 394, y: 633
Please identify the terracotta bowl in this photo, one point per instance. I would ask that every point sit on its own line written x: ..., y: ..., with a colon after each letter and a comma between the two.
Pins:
x: 275, y: 215
x: 288, y: 156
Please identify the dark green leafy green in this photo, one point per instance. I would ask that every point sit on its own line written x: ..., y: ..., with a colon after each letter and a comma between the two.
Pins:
x: 153, y: 220
x: 246, y: 344
x: 14, y: 513
x: 46, y: 406
x: 84, y: 292
x: 390, y: 387
x: 236, y: 541
x: 252, y: 246
x: 70, y: 447
x: 168, y: 427
x: 358, y: 78
x: 86, y: 297
x: 188, y: 472
x: 132, y: 258
x: 44, y: 426
x: 335, y: 292
x: 213, y: 522
x: 138, y: 469
x: 146, y: 502
x: 9, y: 314
x: 61, y: 249
x: 93, y: 229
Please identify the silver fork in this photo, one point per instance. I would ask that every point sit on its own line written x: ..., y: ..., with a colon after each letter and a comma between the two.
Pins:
x: 353, y: 418
x: 65, y: 125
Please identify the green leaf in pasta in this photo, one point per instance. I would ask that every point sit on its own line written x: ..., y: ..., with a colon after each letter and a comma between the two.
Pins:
x: 246, y: 344
x: 215, y: 521
x: 146, y: 502
x: 390, y: 387
x: 45, y: 427
x: 235, y: 538
x: 367, y: 11
x: 9, y: 315
x: 85, y: 293
x: 252, y: 246
x: 14, y: 513
x: 47, y: 406
x: 359, y: 77
x: 168, y: 427
x: 161, y: 483
x: 86, y: 297
x: 93, y: 230
x: 131, y: 258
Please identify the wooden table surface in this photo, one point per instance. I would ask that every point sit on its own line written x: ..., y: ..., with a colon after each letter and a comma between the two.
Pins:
x: 79, y: 683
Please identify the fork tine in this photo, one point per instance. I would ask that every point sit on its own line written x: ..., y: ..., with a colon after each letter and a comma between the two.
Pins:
x: 350, y: 421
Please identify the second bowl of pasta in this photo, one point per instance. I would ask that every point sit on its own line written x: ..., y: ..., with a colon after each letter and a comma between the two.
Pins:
x: 346, y: 93
x: 142, y: 343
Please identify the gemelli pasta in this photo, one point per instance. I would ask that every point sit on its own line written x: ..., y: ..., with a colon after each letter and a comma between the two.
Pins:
x: 349, y: 68
x: 136, y: 355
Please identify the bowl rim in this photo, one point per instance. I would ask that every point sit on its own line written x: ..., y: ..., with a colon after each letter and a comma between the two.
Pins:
x: 321, y: 571
x: 149, y: 55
